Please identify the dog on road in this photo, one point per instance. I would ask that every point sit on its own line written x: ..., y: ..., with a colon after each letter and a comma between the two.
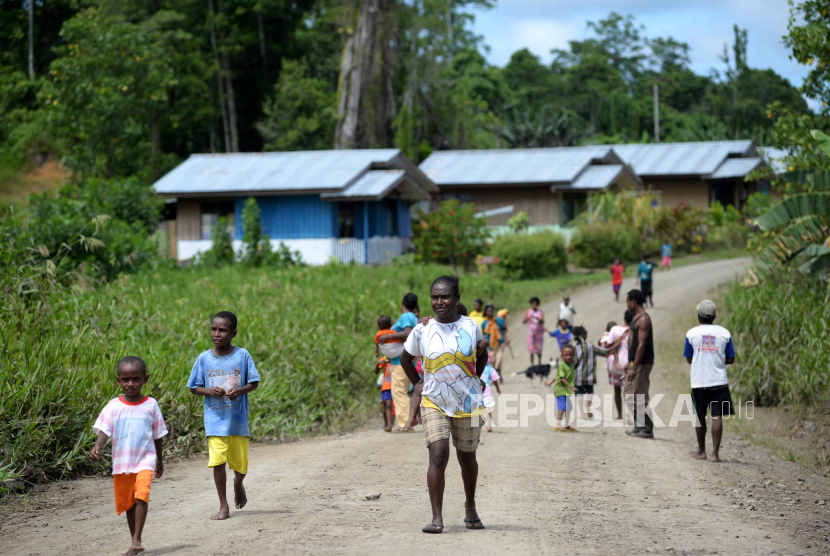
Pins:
x: 537, y: 371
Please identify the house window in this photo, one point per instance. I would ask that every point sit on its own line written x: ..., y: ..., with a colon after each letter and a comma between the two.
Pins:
x: 212, y: 212
x: 462, y: 197
x: 345, y: 222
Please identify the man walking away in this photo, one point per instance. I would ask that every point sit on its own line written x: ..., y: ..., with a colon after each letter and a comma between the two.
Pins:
x: 709, y: 350
x: 641, y: 361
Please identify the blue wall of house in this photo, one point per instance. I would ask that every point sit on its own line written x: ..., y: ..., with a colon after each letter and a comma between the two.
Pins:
x: 292, y: 217
x: 308, y: 217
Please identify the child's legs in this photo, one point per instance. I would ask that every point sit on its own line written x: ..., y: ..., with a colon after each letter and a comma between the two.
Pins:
x: 136, y: 516
x: 618, y: 400
x: 387, y: 413
x: 218, y: 448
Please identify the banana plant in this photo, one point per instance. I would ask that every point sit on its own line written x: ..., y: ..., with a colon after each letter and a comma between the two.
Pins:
x: 804, y: 224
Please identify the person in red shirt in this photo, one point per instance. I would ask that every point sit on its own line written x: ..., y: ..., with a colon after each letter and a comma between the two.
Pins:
x: 617, y: 277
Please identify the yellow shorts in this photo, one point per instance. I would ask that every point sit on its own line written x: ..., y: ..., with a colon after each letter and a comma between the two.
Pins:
x: 232, y: 450
x: 130, y: 487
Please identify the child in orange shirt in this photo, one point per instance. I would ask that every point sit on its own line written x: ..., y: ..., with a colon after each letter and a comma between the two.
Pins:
x: 392, y: 348
x: 384, y: 366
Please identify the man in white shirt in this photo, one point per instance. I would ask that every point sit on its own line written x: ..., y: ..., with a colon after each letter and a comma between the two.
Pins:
x: 709, y: 350
x: 567, y: 311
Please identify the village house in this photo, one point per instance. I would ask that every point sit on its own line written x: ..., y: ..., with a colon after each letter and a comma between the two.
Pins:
x: 350, y: 205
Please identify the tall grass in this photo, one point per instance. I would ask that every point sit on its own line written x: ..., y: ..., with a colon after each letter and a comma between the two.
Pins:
x: 781, y: 330
x: 309, y: 331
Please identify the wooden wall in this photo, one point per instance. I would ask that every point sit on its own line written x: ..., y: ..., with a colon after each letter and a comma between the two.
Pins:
x: 673, y: 192
x: 540, y: 204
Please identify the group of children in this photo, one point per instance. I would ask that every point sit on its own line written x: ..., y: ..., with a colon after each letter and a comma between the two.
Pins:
x: 224, y: 375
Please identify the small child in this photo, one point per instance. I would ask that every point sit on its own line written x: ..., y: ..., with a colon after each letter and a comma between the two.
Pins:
x: 616, y: 277
x: 385, y: 367
x: 564, y: 387
x: 666, y: 255
x: 586, y: 362
x: 136, y: 426
x: 392, y: 348
x: 225, y: 375
x: 490, y: 377
x: 562, y: 334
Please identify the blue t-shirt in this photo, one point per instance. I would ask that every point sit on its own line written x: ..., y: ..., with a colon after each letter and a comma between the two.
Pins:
x: 502, y: 327
x: 645, y: 271
x: 562, y: 337
x: 667, y: 250
x: 224, y: 417
x: 406, y: 320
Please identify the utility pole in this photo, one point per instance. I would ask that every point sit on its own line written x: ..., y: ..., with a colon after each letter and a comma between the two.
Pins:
x: 656, y: 115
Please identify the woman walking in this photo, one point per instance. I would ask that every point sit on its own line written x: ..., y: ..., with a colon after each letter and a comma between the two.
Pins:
x: 535, y: 320
x: 454, y: 357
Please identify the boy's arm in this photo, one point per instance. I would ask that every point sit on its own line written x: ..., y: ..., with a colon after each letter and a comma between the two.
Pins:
x: 234, y: 393
x: 215, y: 391
x: 95, y: 453
x: 601, y: 351
x: 496, y: 384
x: 566, y: 383
x: 159, y: 460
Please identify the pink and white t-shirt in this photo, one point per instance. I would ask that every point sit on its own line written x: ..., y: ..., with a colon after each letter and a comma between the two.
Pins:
x: 616, y: 361
x: 133, y: 428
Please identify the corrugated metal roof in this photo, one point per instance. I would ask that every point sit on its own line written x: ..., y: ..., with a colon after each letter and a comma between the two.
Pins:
x: 598, y: 177
x: 736, y: 167
x: 372, y: 184
x: 775, y: 158
x: 678, y: 159
x: 556, y: 165
x: 281, y: 171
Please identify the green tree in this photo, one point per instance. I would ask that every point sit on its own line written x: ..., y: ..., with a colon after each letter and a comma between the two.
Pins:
x: 221, y: 252
x: 300, y: 114
x: 451, y: 235
x: 253, y: 238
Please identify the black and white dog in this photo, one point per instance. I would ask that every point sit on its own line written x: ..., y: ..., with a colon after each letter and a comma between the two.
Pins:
x: 540, y: 371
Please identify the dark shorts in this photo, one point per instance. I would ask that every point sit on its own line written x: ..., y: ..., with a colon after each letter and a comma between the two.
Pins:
x: 386, y: 395
x: 645, y: 287
x: 716, y: 399
x: 617, y: 288
x: 582, y: 390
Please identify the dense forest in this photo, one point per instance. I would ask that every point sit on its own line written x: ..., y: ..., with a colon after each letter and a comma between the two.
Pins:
x: 120, y: 88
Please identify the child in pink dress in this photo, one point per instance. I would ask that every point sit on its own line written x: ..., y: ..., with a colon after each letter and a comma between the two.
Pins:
x: 535, y: 320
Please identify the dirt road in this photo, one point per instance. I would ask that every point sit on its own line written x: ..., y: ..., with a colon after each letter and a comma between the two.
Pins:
x: 541, y: 492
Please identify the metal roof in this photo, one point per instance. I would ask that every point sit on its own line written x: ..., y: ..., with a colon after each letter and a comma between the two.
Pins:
x: 679, y: 159
x: 598, y: 177
x: 375, y: 184
x: 775, y: 158
x: 279, y: 171
x: 737, y: 167
x: 505, y: 166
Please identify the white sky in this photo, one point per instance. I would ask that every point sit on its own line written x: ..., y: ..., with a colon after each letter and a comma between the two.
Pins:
x: 706, y: 25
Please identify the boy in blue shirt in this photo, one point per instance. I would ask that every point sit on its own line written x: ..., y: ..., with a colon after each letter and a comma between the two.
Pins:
x: 666, y: 256
x: 644, y: 277
x: 225, y: 375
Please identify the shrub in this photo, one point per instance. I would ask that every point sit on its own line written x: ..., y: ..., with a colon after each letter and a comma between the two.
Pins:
x: 531, y: 256
x: 221, y: 252
x: 450, y: 235
x: 595, y: 246
x: 780, y: 331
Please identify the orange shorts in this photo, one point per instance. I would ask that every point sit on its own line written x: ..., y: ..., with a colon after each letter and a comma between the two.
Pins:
x: 130, y: 487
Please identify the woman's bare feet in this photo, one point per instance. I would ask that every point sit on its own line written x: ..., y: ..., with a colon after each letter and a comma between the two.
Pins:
x: 697, y: 454
x: 714, y: 458
x: 223, y: 513
x: 239, y: 496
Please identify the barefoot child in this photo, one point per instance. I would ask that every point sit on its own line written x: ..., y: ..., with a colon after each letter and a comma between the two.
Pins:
x: 617, y: 277
x: 562, y: 334
x: 535, y: 321
x: 615, y: 361
x: 563, y: 388
x: 385, y: 367
x: 225, y: 375
x: 135, y: 424
x: 490, y: 377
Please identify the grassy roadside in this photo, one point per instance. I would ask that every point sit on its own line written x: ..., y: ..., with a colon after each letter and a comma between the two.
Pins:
x: 793, y: 433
